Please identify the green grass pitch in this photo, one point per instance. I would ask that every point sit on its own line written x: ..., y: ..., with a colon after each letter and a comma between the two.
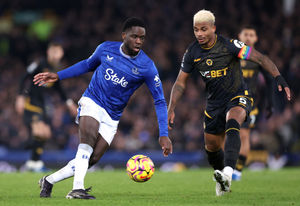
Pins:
x: 192, y: 187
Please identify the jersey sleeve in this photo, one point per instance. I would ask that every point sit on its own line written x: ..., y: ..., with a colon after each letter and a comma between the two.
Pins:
x: 187, y: 63
x: 31, y: 70
x: 154, y: 84
x: 83, y: 66
x: 95, y: 59
x: 239, y: 49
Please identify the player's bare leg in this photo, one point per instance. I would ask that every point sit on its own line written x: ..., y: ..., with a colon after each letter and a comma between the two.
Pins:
x: 245, y: 141
x: 244, y: 151
x: 99, y: 149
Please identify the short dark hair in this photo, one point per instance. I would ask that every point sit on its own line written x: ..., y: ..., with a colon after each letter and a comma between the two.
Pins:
x: 55, y: 43
x: 131, y: 22
x: 248, y: 27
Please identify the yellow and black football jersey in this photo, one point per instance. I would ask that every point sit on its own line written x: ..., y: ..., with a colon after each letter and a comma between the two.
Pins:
x: 219, y: 67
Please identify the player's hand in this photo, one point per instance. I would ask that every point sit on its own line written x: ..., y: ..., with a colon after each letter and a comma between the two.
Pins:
x: 20, y: 104
x: 45, y: 77
x: 72, y: 107
x: 166, y: 145
x: 281, y: 83
x: 171, y: 117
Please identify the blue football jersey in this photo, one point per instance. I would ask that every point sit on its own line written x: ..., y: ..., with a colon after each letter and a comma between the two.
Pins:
x: 116, y: 77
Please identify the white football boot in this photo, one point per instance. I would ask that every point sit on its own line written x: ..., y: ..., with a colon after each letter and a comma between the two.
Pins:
x: 219, y: 191
x: 223, y: 182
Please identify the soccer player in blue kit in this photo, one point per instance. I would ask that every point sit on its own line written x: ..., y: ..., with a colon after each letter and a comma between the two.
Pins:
x: 119, y: 69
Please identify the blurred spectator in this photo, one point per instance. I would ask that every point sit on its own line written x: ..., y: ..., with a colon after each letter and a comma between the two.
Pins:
x: 37, y: 105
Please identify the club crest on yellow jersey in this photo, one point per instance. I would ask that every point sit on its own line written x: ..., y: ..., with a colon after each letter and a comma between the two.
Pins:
x: 209, y: 62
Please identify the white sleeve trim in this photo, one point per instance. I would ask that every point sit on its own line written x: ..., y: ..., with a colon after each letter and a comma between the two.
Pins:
x: 32, y: 67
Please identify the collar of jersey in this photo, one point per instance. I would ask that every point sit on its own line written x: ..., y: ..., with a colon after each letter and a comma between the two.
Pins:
x: 211, y: 45
x: 125, y: 55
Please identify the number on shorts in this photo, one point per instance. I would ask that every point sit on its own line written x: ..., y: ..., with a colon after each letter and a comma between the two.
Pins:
x: 243, y: 100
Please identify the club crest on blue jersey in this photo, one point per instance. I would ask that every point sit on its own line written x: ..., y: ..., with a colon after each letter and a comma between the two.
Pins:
x: 135, y: 70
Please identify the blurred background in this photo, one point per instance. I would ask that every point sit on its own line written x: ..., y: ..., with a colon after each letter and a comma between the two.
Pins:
x: 26, y: 28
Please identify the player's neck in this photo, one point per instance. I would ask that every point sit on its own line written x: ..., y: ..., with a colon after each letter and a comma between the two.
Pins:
x: 124, y: 49
x: 211, y: 43
x: 127, y: 52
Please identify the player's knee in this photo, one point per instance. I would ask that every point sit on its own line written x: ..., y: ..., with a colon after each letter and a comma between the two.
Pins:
x: 88, y: 136
x: 213, y: 143
x: 212, y: 146
x: 236, y: 113
x: 88, y: 130
x: 41, y: 130
x: 89, y: 133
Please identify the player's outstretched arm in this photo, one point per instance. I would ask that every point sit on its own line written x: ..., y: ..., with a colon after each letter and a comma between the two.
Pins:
x: 177, y: 91
x: 45, y: 77
x: 75, y: 70
x: 270, y: 67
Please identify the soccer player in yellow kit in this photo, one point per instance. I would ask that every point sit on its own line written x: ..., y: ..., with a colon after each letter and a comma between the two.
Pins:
x: 217, y: 59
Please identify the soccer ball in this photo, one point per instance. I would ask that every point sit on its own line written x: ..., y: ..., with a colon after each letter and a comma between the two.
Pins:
x: 140, y: 168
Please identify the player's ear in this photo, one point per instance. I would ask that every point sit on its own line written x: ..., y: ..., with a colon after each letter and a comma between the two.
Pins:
x: 239, y: 36
x: 214, y: 28
x: 48, y: 51
x: 123, y: 35
x: 255, y: 39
